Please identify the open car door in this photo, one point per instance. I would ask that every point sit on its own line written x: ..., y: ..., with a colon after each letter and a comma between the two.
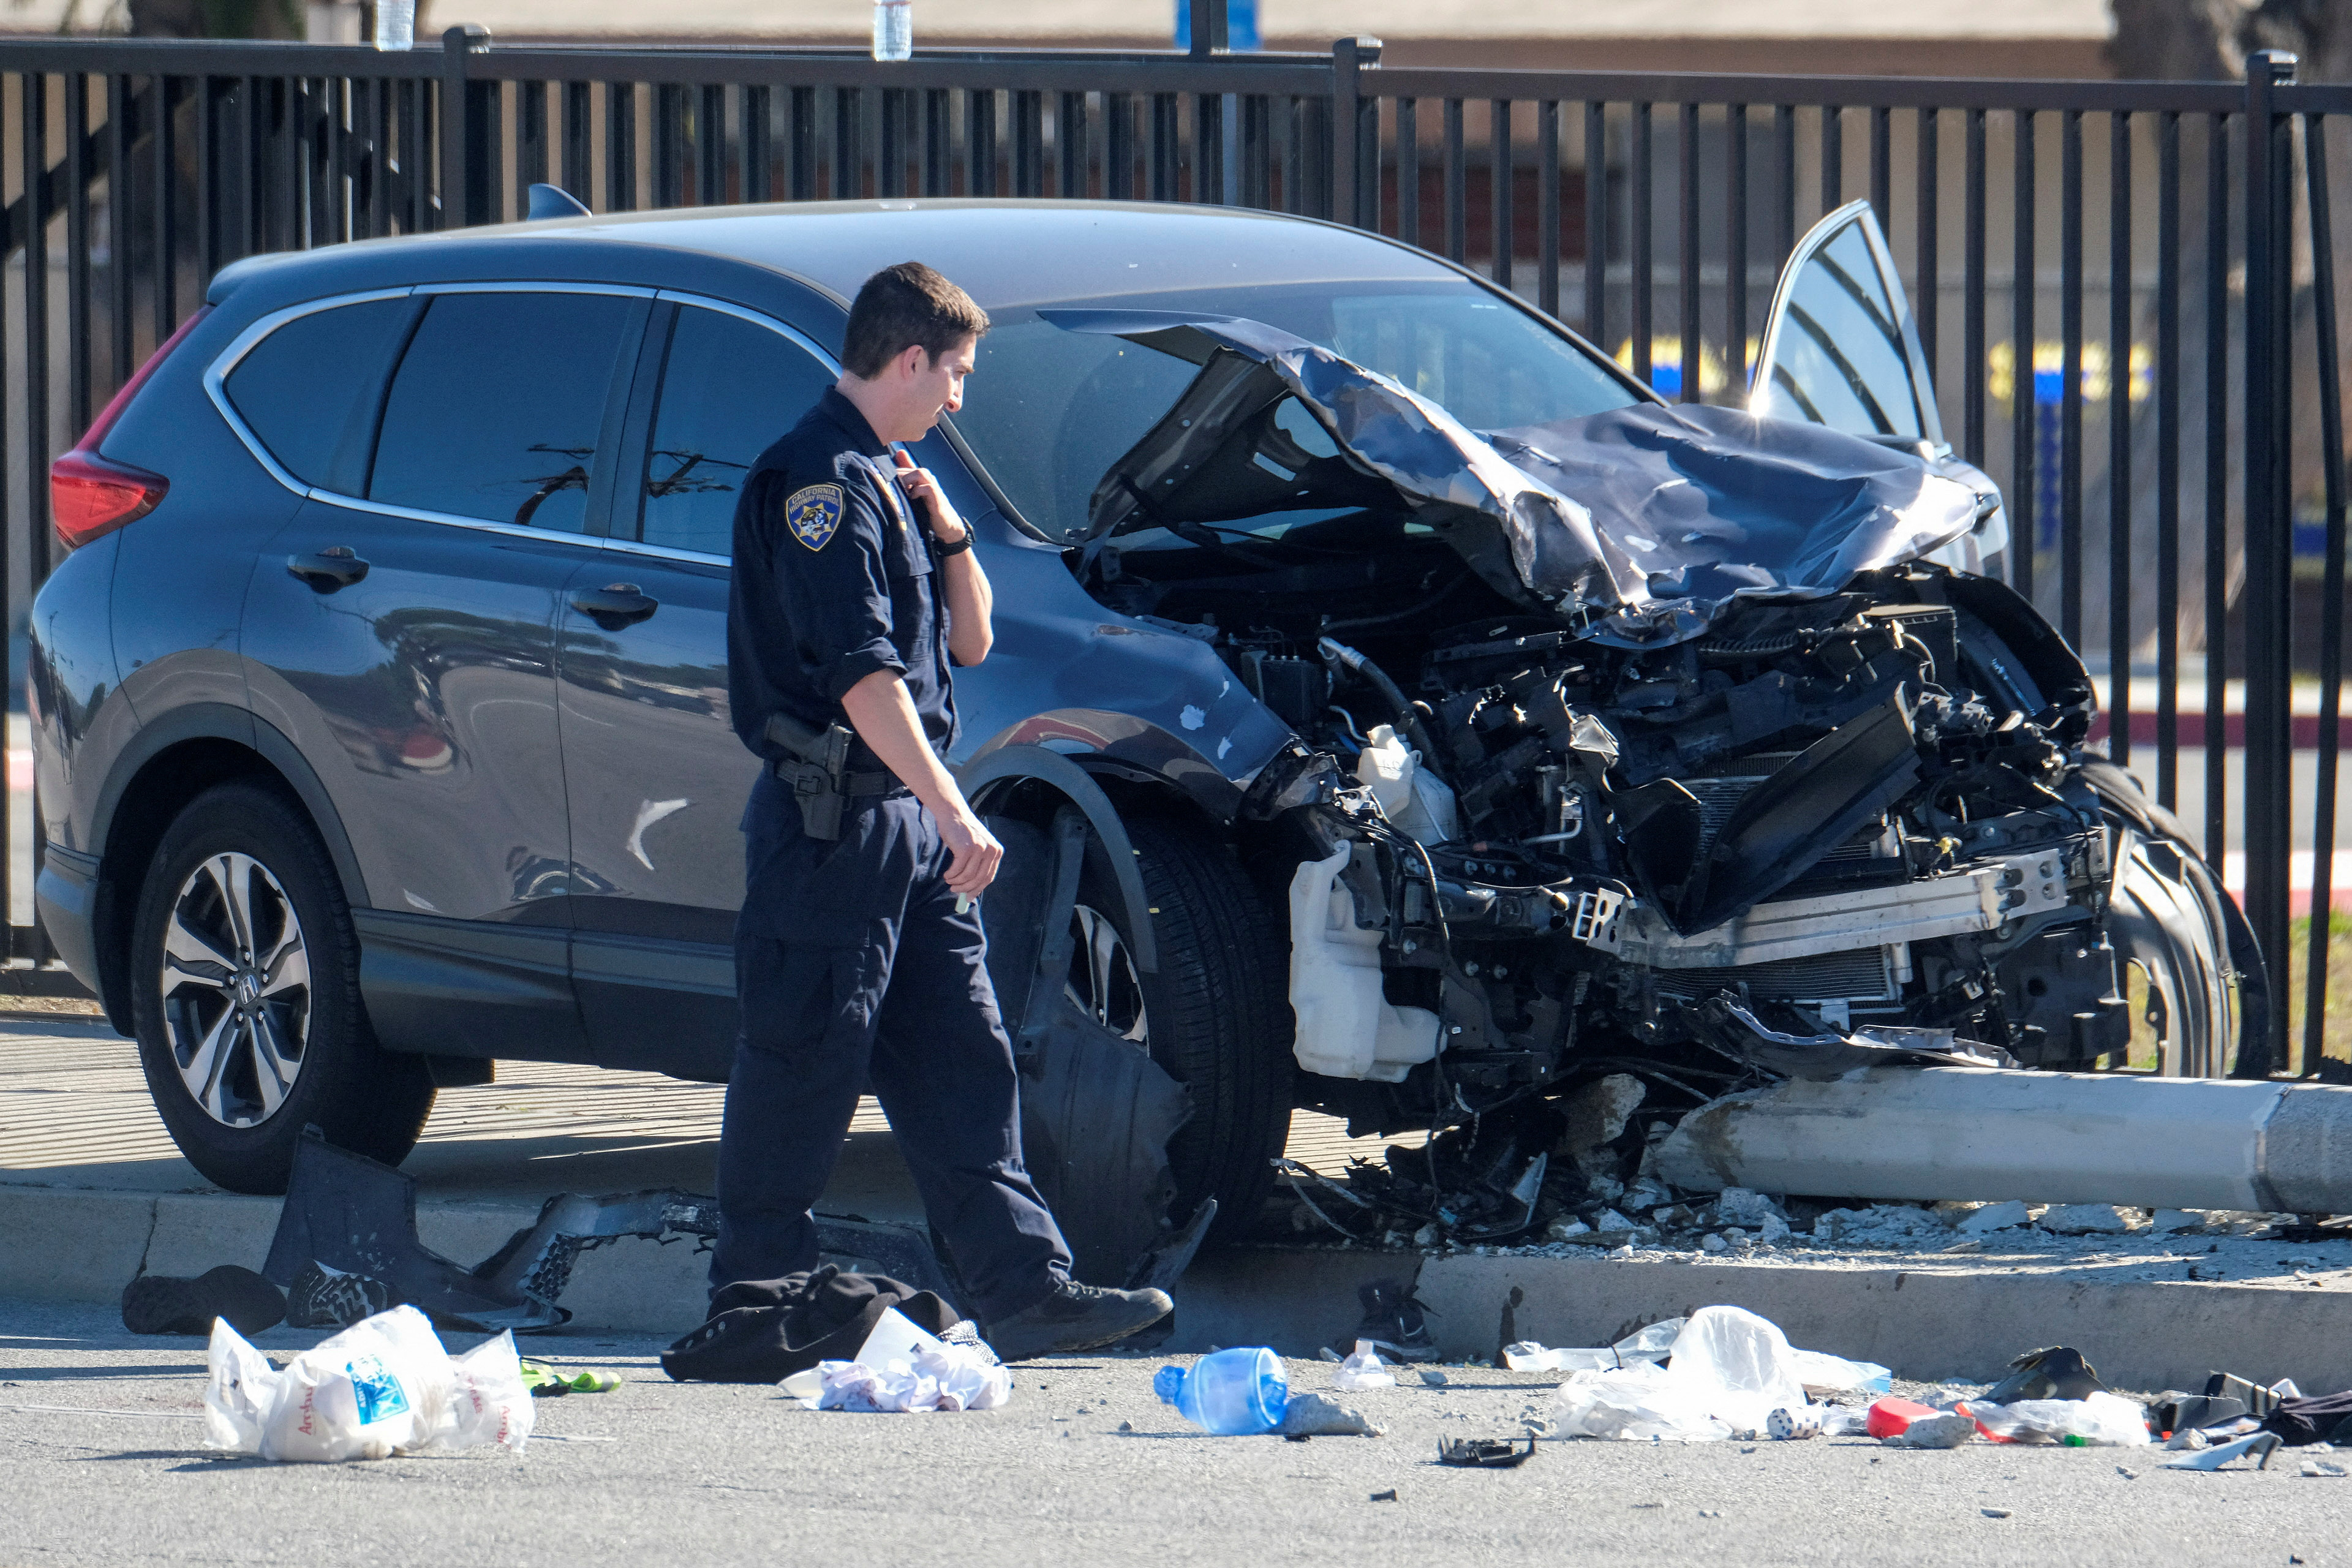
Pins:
x: 1841, y: 347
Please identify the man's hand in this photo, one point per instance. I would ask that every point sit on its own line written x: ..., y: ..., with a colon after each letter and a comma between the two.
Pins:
x: 975, y: 850
x: 939, y: 514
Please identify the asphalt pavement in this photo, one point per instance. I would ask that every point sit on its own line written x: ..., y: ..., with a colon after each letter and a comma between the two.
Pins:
x: 1084, y: 1466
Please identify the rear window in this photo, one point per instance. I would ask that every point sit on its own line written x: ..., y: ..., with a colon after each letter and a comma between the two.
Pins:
x: 499, y: 405
x: 731, y: 387
x: 308, y: 390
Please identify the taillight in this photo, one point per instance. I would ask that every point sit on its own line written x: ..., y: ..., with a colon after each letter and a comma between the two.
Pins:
x: 89, y: 496
x: 92, y: 495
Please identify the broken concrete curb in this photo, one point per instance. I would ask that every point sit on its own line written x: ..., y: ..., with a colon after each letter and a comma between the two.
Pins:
x: 71, y: 1245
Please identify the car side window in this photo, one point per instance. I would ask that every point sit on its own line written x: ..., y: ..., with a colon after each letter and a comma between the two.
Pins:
x: 499, y: 405
x: 729, y: 388
x: 309, y: 391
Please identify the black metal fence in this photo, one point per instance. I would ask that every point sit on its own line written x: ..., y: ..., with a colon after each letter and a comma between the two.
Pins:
x: 2126, y: 290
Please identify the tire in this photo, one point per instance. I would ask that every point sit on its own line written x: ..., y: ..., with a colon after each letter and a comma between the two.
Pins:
x: 1216, y: 1016
x: 245, y: 1043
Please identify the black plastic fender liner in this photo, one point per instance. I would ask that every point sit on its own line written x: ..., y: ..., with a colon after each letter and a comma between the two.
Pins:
x: 1011, y: 763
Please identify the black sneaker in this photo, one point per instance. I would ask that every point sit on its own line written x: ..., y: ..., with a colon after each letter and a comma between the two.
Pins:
x: 325, y: 1298
x: 1077, y: 1317
x: 162, y: 1304
x: 1394, y: 1323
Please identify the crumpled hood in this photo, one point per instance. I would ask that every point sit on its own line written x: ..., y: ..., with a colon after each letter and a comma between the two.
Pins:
x: 1654, y: 516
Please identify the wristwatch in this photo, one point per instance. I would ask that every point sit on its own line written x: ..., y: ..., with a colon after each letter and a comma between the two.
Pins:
x: 958, y: 548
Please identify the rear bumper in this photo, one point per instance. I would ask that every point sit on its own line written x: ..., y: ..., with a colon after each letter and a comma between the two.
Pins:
x: 66, y: 899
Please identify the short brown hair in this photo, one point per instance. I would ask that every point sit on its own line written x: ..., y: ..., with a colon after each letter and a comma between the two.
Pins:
x: 903, y: 307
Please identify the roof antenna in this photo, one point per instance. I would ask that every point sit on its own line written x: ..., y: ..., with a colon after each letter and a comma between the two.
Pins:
x: 554, y: 201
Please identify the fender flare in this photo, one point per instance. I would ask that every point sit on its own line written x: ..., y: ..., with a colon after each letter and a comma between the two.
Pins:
x: 1058, y: 772
x: 219, y: 722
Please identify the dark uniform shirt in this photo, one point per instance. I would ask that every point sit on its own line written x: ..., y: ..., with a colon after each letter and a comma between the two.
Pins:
x: 832, y: 581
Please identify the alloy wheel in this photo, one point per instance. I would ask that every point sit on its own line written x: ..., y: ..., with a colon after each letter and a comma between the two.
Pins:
x: 1103, y: 980
x: 236, y: 988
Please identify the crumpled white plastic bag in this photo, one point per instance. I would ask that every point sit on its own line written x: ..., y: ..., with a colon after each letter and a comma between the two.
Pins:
x: 1647, y: 1344
x: 901, y: 1368
x: 2102, y: 1421
x: 382, y: 1387
x: 1728, y: 1371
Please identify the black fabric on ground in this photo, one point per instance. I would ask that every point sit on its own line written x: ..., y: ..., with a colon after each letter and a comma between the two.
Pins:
x: 2318, y: 1419
x: 763, y: 1330
x: 166, y: 1304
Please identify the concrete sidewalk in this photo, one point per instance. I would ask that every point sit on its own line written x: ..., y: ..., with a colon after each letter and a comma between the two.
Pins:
x: 92, y: 1193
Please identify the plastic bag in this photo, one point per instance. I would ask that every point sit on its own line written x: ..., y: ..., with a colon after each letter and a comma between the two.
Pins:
x: 1651, y: 1343
x: 1362, y: 1370
x: 901, y: 1367
x: 382, y: 1387
x: 1730, y: 1370
x: 2102, y: 1421
x: 1827, y: 1374
x: 490, y: 1404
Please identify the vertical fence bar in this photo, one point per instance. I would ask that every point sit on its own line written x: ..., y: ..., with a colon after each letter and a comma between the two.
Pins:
x: 1972, y: 291
x: 1734, y: 246
x: 1928, y: 192
x: 1458, y: 195
x: 800, y: 135
x: 1070, y: 146
x: 34, y: 132
x: 890, y: 141
x: 1596, y: 224
x: 78, y: 263
x: 1784, y: 184
x: 2269, y: 557
x: 668, y: 145
x: 247, y: 96
x: 163, y: 228
x: 579, y: 160
x: 1209, y: 150
x: 1029, y: 144
x: 848, y: 144
x: 1832, y: 157
x: 2025, y: 408
x: 1499, y: 215
x: 620, y: 147
x: 1548, y: 206
x: 979, y: 143
x: 532, y: 154
x: 1686, y: 257
x: 2069, y: 387
x: 2217, y: 471
x: 938, y: 143
x: 2119, y: 445
x: 758, y: 139
x: 1408, y: 162
x: 1118, y: 146
x: 121, y: 184
x: 1881, y: 162
x: 2168, y: 459
x: 2331, y: 587
x: 1167, y: 146
x: 1639, y: 177
x: 1295, y: 159
x: 711, y: 146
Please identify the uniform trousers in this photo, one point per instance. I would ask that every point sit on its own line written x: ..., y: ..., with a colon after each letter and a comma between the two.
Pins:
x: 853, y: 968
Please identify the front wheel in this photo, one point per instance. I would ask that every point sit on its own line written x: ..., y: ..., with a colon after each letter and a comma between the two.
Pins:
x: 1216, y: 1016
x: 246, y: 998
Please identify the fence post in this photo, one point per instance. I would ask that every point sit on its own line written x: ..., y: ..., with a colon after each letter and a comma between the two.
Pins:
x: 2270, y: 556
x: 465, y: 131
x: 1347, y: 133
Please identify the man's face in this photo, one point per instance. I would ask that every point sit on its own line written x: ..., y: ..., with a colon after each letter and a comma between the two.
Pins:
x: 938, y: 384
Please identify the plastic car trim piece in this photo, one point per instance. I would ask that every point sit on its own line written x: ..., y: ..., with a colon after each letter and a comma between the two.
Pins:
x: 1059, y: 772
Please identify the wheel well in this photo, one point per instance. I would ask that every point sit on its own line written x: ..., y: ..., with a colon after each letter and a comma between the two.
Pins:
x: 158, y: 794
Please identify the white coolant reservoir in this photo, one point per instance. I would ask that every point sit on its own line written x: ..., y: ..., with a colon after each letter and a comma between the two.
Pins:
x: 1346, y: 1027
x: 1411, y: 796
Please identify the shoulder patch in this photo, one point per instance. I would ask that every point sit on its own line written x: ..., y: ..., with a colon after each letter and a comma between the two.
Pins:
x: 814, y: 513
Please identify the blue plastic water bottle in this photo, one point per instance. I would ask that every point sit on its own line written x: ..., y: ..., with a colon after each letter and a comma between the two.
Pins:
x: 1234, y: 1393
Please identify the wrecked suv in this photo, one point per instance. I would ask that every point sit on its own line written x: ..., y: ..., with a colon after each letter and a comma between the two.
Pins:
x: 1396, y: 709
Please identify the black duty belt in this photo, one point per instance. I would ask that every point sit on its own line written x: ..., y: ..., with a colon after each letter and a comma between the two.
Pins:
x: 851, y: 784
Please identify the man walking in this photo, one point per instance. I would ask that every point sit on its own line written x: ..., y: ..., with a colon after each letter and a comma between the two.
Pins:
x: 858, y: 951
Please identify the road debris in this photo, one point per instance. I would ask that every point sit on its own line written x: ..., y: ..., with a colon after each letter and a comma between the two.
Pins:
x: 164, y: 1304
x: 763, y: 1330
x: 1316, y: 1416
x: 2258, y: 1448
x: 1485, y: 1453
x: 1362, y: 1370
x: 382, y: 1387
x: 1232, y: 1392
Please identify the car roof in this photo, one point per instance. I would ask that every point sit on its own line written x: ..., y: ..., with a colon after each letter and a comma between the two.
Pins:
x: 1005, y: 253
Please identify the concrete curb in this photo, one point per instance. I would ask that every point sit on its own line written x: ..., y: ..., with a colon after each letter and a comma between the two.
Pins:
x: 69, y: 1245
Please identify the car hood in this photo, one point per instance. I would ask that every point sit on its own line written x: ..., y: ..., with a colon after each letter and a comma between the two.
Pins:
x: 1643, y: 522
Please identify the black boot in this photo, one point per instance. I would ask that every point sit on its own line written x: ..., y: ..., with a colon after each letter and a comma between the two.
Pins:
x: 1077, y: 1317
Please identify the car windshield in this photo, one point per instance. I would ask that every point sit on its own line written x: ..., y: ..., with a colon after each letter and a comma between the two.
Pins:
x: 1049, y: 411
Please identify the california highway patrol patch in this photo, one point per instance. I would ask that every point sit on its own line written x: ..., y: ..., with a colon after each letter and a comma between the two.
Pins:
x: 814, y: 513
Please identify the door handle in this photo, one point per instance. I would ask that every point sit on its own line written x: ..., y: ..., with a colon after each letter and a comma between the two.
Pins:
x: 334, y: 567
x: 615, y: 605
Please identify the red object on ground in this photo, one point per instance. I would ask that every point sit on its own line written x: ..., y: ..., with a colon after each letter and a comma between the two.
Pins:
x: 1890, y: 1416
